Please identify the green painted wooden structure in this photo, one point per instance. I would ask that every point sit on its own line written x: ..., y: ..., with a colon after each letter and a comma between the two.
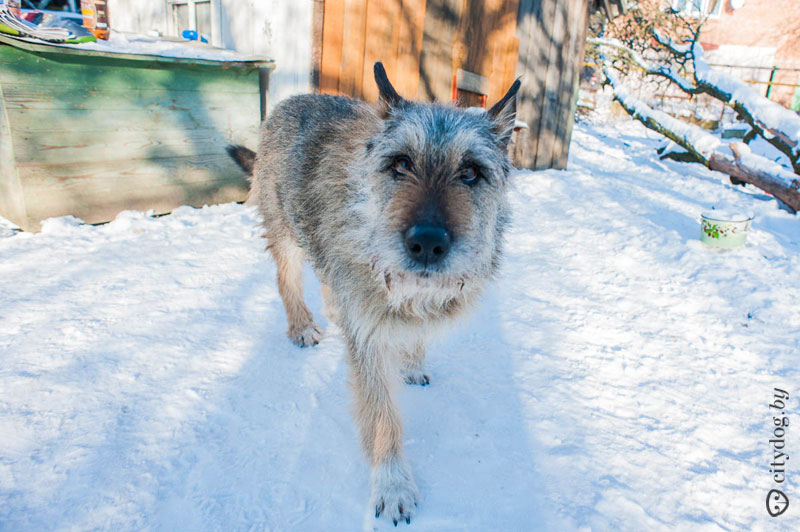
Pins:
x: 91, y: 133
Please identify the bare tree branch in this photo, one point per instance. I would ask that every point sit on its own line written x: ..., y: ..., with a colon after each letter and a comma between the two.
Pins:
x: 661, y: 70
x: 778, y: 125
x: 740, y: 163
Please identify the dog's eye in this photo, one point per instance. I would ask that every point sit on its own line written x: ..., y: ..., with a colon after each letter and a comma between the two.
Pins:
x: 470, y: 175
x: 402, y: 165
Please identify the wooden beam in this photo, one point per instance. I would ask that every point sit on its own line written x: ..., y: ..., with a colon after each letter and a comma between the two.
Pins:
x: 504, y: 50
x: 531, y: 67
x: 381, y: 43
x: 351, y: 71
x: 436, y: 58
x: 317, y: 19
x: 332, y: 33
x: 409, y: 47
x: 580, y: 28
x: 548, y: 125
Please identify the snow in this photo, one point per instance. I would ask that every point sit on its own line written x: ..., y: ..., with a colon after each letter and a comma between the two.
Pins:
x: 134, y: 43
x: 772, y: 117
x: 616, y: 376
x: 7, y: 228
x: 726, y: 215
x: 671, y: 44
x: 703, y: 143
x: 760, y: 146
x: 748, y: 159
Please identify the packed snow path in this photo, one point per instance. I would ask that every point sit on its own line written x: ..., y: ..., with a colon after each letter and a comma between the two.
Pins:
x: 615, y: 377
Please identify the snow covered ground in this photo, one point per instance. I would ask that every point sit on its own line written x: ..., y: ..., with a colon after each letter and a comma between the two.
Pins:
x: 616, y: 377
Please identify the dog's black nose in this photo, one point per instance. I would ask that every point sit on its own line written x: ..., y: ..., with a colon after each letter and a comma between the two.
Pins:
x: 427, y: 244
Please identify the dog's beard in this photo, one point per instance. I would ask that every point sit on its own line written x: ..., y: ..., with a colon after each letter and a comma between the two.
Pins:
x: 423, y: 291
x: 459, y: 276
x: 423, y: 280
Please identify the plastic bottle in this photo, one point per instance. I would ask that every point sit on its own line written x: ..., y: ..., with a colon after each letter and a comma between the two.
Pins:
x: 95, y: 17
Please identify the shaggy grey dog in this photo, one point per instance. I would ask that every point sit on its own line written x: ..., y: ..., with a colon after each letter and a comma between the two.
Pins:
x: 401, y: 210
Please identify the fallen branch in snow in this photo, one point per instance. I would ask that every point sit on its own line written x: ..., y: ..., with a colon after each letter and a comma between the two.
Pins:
x: 778, y: 125
x: 737, y: 161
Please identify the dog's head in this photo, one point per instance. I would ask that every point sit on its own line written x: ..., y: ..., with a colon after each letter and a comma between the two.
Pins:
x: 437, y: 177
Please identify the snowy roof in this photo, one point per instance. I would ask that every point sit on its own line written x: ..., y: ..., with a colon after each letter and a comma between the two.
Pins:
x: 143, y: 47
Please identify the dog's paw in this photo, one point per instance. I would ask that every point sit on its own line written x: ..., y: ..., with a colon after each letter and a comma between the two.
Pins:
x: 394, y: 492
x: 305, y: 336
x: 416, y: 377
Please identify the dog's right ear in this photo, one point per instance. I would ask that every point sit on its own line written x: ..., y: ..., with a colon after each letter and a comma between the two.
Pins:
x: 388, y: 97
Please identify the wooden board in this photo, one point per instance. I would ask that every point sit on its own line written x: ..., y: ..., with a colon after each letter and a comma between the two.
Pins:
x: 504, y: 50
x: 332, y: 34
x: 570, y: 89
x: 317, y: 19
x: 383, y: 18
x: 90, y: 136
x: 12, y: 203
x: 531, y: 67
x: 409, y: 47
x: 436, y: 57
x: 423, y: 44
x: 551, y: 53
x: 548, y: 124
x: 351, y: 69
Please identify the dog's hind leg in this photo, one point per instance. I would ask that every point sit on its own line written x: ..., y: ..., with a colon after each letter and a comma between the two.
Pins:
x: 394, y: 491
x: 413, y: 366
x: 289, y: 258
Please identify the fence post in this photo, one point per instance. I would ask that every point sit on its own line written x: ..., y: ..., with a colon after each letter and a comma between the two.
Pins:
x: 771, y: 79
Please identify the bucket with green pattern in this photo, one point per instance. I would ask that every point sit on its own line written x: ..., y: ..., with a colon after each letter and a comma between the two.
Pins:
x: 724, y: 230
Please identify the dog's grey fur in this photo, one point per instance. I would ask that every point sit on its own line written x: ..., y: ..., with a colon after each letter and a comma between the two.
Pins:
x: 338, y: 182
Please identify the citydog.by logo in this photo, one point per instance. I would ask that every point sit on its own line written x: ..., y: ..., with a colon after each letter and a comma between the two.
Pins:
x: 777, y: 501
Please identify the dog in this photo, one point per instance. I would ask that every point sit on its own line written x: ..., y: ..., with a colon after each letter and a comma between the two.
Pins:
x: 401, y: 210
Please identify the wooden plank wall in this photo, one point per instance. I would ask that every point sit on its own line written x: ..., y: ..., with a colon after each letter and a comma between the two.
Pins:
x: 552, y: 38
x: 422, y: 43
x: 357, y: 33
x: 91, y: 136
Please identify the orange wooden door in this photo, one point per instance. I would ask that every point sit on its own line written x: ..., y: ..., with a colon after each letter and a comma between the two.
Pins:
x: 421, y: 43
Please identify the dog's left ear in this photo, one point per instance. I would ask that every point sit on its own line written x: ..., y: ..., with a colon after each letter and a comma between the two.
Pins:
x: 388, y: 97
x: 504, y: 113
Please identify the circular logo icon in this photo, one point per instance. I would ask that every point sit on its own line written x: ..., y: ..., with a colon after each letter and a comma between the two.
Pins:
x: 777, y: 502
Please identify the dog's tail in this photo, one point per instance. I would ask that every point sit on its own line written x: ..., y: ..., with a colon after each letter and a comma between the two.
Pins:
x: 243, y: 157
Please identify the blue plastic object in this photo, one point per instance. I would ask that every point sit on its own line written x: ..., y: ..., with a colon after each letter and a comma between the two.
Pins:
x: 192, y: 35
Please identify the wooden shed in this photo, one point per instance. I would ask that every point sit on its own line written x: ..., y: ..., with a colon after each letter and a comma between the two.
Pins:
x: 92, y: 133
x: 473, y: 50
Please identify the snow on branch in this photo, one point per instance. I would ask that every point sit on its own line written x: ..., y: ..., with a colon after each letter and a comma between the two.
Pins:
x: 671, y: 45
x: 771, y: 118
x: 778, y: 125
x: 737, y: 160
x: 662, y: 70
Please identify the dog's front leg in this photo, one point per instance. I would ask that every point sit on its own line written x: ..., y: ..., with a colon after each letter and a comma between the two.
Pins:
x: 374, y: 375
x: 413, y: 366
